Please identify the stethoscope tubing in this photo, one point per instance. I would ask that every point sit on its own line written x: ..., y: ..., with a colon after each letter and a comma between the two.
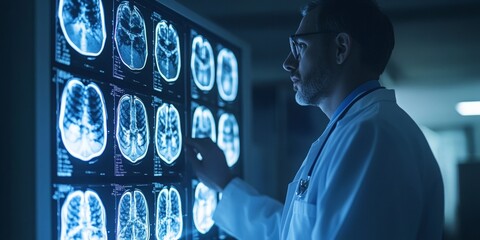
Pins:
x: 303, y: 183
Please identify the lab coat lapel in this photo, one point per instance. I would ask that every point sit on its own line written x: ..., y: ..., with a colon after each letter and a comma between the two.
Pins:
x: 302, y: 173
x: 315, y: 149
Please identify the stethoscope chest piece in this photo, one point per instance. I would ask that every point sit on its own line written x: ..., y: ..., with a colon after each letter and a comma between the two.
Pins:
x: 302, y: 187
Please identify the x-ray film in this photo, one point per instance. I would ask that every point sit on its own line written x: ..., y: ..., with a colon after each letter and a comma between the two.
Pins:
x: 169, y: 222
x: 131, y: 36
x: 83, y: 216
x: 167, y: 51
x: 83, y: 25
x: 228, y: 138
x: 227, y: 75
x: 128, y: 81
x: 204, y: 207
x: 203, y: 124
x: 83, y: 120
x: 168, y: 133
x: 132, y: 133
x: 202, y: 63
x: 132, y: 220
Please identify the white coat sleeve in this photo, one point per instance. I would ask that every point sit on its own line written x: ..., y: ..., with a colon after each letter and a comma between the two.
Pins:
x: 245, y: 214
x: 372, y: 190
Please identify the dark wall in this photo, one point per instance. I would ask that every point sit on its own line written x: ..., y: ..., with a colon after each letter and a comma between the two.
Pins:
x: 469, y: 197
x: 18, y: 119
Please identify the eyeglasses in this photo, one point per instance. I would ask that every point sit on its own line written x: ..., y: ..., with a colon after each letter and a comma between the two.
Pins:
x: 294, y: 45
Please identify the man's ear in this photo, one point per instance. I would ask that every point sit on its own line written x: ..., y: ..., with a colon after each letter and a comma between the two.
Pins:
x: 343, y: 42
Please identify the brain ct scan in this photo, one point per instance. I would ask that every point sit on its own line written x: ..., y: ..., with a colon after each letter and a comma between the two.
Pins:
x: 227, y: 75
x: 83, y: 216
x: 169, y: 222
x: 202, y: 63
x: 168, y: 133
x: 204, y: 207
x: 131, y: 36
x: 203, y: 124
x: 132, y: 218
x: 167, y: 51
x: 228, y: 138
x: 83, y: 120
x: 132, y: 131
x: 83, y: 25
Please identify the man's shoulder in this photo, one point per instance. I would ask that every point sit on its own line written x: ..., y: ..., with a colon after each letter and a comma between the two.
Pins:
x: 375, y: 113
x: 372, y: 107
x: 378, y: 117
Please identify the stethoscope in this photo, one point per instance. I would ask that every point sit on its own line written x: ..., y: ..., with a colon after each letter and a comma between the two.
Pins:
x: 303, y: 183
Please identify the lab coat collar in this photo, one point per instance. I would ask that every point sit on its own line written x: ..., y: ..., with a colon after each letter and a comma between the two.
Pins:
x: 381, y: 95
x: 364, y: 87
x: 374, y: 97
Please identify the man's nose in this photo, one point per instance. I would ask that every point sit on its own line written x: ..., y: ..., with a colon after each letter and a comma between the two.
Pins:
x: 290, y: 63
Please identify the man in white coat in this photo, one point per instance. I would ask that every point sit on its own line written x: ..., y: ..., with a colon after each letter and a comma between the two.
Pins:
x: 370, y: 175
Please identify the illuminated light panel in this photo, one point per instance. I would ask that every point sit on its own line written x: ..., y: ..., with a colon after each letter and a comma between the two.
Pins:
x: 131, y: 36
x: 83, y: 216
x: 168, y: 133
x: 202, y: 63
x: 83, y: 120
x: 203, y: 124
x: 228, y: 138
x: 167, y: 51
x: 132, y: 220
x: 169, y: 222
x: 204, y: 207
x: 132, y: 131
x: 227, y: 75
x: 468, y: 108
x: 83, y: 25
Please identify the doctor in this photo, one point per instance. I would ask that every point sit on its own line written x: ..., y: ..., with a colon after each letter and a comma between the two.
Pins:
x: 370, y: 175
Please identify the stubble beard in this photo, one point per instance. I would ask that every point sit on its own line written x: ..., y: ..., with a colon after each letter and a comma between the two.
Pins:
x: 313, y: 90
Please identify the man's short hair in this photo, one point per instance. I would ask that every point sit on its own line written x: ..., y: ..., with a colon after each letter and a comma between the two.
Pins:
x: 364, y: 22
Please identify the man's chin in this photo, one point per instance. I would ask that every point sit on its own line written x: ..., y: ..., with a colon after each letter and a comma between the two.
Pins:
x: 300, y: 100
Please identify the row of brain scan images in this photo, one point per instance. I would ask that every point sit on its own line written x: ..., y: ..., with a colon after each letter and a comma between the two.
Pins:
x: 83, y: 25
x: 83, y: 214
x: 83, y: 126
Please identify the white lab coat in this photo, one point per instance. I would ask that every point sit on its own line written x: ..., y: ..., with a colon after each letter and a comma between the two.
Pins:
x: 376, y: 178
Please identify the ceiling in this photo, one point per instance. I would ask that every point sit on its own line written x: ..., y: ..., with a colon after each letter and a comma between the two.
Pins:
x: 435, y: 62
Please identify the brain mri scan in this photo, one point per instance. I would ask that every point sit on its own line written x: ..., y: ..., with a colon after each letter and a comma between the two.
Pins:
x: 169, y: 222
x: 202, y: 63
x: 167, y: 51
x: 203, y: 124
x: 131, y: 36
x: 83, y: 120
x: 168, y: 133
x: 83, y: 25
x: 228, y: 138
x: 204, y: 207
x: 132, y: 131
x: 227, y: 75
x: 83, y: 216
x: 132, y: 221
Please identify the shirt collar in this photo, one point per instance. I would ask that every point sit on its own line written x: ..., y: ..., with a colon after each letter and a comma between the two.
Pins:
x: 366, y: 86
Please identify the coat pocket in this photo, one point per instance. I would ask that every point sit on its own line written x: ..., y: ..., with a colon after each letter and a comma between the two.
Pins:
x: 303, y: 220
